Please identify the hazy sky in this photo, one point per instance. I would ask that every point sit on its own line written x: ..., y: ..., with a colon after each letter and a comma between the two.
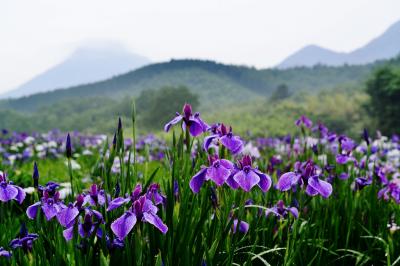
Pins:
x: 34, y: 35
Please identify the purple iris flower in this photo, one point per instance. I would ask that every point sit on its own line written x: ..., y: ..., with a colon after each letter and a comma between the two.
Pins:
x: 68, y: 216
x: 362, y: 182
x: 247, y: 177
x: 322, y: 129
x: 240, y: 226
x: 306, y: 173
x: 218, y: 171
x: 224, y: 136
x: 317, y: 186
x: 391, y: 190
x: 9, y: 191
x: 5, y: 253
x: 50, y: 202
x: 154, y: 194
x: 96, y: 196
x: 192, y: 122
x: 303, y: 120
x: 281, y: 211
x: 114, y: 244
x: 24, y: 240
x: 90, y: 222
x: 143, y: 210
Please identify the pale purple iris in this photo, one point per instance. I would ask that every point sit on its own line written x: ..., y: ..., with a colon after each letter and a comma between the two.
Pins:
x: 50, y: 202
x: 281, y: 211
x: 5, y: 253
x: 306, y: 173
x: 303, y: 120
x: 154, y: 194
x: 318, y: 186
x: 143, y: 210
x: 391, y: 190
x: 246, y: 177
x: 220, y: 134
x: 68, y: 215
x: 9, y: 191
x: 96, y: 196
x: 218, y: 171
x: 24, y: 240
x: 193, y: 123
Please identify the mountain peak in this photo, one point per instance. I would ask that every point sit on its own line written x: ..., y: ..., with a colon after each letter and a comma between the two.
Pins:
x: 385, y: 46
x: 90, y: 62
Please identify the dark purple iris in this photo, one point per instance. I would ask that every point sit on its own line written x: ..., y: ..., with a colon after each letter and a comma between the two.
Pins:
x: 50, y: 202
x: 240, y: 226
x: 246, y: 177
x: 218, y: 171
x: 193, y: 123
x: 224, y: 136
x: 143, y: 210
x: 362, y: 182
x: 9, y: 191
x: 281, y: 211
x: 24, y: 240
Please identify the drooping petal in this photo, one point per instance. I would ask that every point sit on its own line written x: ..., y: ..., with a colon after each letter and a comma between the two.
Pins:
x: 218, y: 174
x: 323, y: 187
x: 231, y: 182
x: 227, y: 164
x: 67, y: 215
x: 174, y: 121
x: 4, y: 253
x: 123, y: 225
x: 195, y: 128
x: 49, y: 210
x: 294, y: 211
x: 68, y: 233
x: 7, y: 192
x: 246, y: 180
x: 243, y: 226
x: 265, y: 181
x: 156, y: 221
x: 32, y: 210
x: 197, y: 180
x: 233, y: 143
x: 287, y: 181
x: 310, y: 191
x: 21, y: 195
x: 208, y: 140
x: 149, y: 207
x: 116, y: 203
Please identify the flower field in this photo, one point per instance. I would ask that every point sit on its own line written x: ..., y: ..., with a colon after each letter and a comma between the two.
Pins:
x: 199, y: 195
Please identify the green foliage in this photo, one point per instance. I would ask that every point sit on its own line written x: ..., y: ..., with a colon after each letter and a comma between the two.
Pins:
x: 280, y: 93
x: 157, y: 107
x: 384, y: 91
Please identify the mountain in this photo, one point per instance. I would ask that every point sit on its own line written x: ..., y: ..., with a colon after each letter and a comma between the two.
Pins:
x: 87, y: 64
x: 384, y: 46
x: 216, y: 84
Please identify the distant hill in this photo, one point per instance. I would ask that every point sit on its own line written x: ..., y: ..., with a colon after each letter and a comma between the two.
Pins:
x: 215, y: 83
x: 85, y: 65
x: 384, y: 46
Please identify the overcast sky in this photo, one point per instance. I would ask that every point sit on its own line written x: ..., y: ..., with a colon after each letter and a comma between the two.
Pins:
x: 35, y: 35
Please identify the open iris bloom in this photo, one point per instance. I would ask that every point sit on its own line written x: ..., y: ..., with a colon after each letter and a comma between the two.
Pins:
x: 96, y: 196
x: 218, y: 171
x: 281, y: 211
x: 308, y: 174
x: 50, y: 202
x: 143, y: 210
x: 391, y: 190
x: 8, y: 191
x: 303, y: 121
x: 5, y: 253
x: 153, y: 194
x: 246, y: 177
x: 24, y: 240
x: 193, y: 123
x: 220, y: 134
